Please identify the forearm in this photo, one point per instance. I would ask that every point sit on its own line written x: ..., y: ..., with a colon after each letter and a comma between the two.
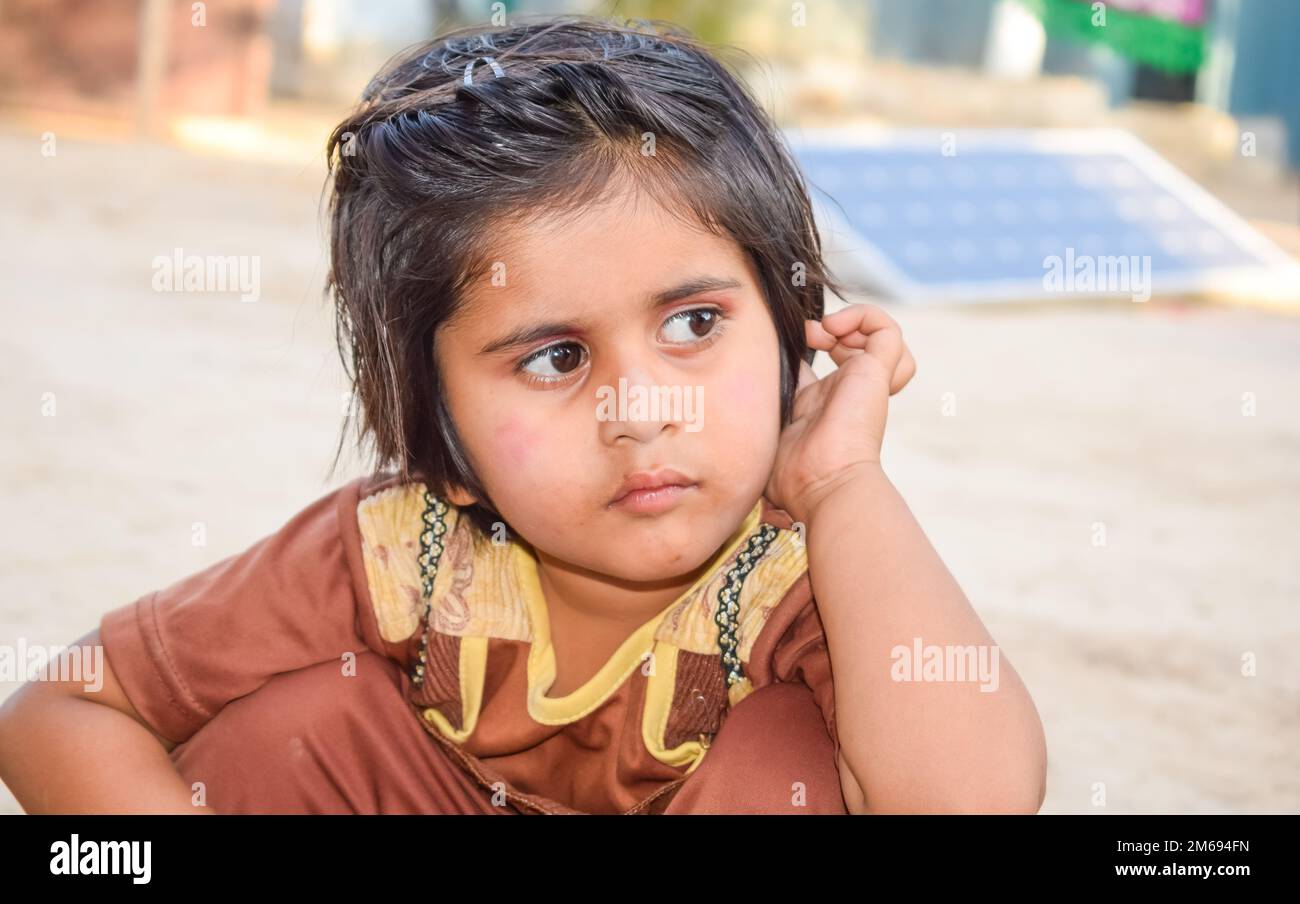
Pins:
x: 62, y: 754
x: 912, y: 745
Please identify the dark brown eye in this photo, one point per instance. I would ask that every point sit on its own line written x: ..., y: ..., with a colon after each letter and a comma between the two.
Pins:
x: 554, y: 360
x: 688, y: 326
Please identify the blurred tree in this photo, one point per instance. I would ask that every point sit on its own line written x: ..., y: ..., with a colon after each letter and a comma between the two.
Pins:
x: 712, y: 21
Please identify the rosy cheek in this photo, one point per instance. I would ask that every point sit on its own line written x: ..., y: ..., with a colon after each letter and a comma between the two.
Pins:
x: 742, y: 392
x: 517, y: 441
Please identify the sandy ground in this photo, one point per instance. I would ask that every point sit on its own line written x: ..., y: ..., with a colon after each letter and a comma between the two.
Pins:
x: 174, y: 409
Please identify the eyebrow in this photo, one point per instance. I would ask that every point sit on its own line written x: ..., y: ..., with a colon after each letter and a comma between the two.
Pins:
x: 526, y: 335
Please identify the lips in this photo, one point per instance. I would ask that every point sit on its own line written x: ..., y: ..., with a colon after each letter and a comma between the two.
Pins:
x: 651, y: 480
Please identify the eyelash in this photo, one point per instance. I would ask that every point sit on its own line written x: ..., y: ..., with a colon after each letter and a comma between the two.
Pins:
x: 531, y: 379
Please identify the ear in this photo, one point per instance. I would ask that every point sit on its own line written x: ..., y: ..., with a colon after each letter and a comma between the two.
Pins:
x: 458, y: 497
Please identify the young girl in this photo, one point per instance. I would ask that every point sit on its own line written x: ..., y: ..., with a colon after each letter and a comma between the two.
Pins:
x: 579, y: 286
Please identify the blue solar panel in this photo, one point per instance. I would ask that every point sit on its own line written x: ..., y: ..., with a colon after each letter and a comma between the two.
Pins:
x: 981, y: 222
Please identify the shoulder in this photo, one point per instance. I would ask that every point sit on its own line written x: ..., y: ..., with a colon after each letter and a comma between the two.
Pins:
x: 780, y: 581
x: 788, y: 621
x: 396, y: 522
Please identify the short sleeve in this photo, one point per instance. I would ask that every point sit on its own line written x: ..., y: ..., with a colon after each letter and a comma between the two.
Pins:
x: 792, y: 647
x: 295, y: 598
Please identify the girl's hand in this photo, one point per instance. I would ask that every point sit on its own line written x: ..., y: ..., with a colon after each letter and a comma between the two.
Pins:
x: 838, y: 422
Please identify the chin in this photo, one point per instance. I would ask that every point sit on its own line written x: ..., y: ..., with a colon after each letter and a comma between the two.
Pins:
x: 659, y: 554
x: 648, y: 570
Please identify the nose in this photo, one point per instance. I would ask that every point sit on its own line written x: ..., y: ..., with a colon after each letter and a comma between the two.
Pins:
x: 632, y: 404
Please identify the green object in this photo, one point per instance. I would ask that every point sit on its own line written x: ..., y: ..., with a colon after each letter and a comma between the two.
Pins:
x: 1159, y: 43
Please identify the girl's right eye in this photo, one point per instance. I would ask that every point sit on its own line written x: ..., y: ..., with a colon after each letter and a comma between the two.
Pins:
x: 554, y: 363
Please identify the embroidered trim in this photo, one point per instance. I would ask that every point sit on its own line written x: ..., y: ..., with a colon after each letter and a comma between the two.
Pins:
x: 435, y: 526
x: 729, y: 602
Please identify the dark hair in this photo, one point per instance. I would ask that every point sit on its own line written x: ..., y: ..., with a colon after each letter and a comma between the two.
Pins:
x: 447, y: 145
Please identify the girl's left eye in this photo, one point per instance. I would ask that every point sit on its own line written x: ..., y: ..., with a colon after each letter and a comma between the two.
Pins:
x: 693, y: 326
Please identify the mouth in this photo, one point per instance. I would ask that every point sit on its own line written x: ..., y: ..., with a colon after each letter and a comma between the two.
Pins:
x: 652, y: 491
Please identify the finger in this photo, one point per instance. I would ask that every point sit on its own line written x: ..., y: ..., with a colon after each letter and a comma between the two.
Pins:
x: 817, y: 337
x: 905, y: 371
x: 858, y: 318
x: 885, y: 344
x: 869, y: 329
x: 852, y: 325
x: 841, y: 352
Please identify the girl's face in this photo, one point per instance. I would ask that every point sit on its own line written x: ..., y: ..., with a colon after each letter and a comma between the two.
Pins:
x: 579, y: 318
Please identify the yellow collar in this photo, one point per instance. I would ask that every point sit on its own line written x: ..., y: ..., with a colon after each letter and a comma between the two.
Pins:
x: 632, y: 653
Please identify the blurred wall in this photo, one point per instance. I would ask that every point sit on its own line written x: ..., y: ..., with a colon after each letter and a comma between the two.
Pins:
x: 942, y: 32
x: 81, y: 56
x: 1263, y: 78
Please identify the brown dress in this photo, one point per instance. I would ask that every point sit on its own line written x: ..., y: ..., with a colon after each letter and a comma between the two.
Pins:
x: 312, y: 674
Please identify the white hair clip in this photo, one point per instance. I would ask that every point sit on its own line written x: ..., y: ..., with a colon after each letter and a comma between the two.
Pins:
x: 497, y: 71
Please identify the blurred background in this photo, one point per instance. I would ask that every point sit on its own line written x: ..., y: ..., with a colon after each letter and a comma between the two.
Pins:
x: 1112, y: 478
